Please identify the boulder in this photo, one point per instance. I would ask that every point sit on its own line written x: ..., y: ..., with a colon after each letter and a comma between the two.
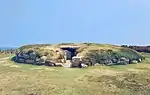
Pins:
x: 101, y: 61
x: 20, y: 60
x: 63, y: 60
x: 49, y: 63
x: 76, y: 62
x: 32, y: 55
x: 97, y: 64
x: 39, y: 63
x: 86, y: 61
x: 19, y: 55
x: 25, y: 56
x: 123, y: 61
x: 93, y: 61
x: 108, y: 62
x: 114, y: 60
x: 37, y: 60
x: 59, y: 64
x: 139, y: 60
x: 84, y: 65
x: 134, y: 62
x: 43, y: 58
x: 28, y: 61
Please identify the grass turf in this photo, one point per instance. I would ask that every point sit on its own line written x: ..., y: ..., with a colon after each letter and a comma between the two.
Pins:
x: 24, y: 79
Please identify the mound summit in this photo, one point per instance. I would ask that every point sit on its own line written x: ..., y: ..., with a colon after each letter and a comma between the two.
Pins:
x: 76, y: 55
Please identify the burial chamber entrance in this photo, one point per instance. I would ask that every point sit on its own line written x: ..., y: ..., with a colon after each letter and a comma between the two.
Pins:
x: 69, y: 52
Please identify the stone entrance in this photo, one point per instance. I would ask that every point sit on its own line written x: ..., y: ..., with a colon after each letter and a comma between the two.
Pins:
x: 69, y: 53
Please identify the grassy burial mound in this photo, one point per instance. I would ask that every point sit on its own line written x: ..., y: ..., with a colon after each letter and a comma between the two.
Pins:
x: 76, y: 55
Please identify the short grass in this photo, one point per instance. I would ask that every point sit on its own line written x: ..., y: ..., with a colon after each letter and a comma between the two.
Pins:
x: 23, y: 79
x: 2, y: 55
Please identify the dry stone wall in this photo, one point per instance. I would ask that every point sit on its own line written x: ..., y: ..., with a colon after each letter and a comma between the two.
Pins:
x: 57, y: 57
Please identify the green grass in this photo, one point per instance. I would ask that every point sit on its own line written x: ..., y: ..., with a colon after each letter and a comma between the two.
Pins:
x: 24, y: 79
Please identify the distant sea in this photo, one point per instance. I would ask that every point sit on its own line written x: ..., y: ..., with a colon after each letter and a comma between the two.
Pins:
x: 8, y: 48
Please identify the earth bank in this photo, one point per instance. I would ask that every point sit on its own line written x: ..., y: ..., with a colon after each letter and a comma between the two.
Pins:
x: 77, y: 55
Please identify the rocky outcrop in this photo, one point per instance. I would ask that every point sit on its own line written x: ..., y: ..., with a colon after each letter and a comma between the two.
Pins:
x: 76, y: 62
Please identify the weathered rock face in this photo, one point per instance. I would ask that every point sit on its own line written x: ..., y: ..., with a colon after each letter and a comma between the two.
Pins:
x: 76, y: 62
x: 82, y: 62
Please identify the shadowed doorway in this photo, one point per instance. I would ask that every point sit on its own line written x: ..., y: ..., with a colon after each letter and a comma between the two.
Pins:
x: 69, y: 52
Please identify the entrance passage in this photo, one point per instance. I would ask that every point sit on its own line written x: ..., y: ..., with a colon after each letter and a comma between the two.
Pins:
x: 69, y: 53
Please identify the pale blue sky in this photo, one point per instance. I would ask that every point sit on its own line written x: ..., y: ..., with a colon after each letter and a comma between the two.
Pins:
x: 55, y: 21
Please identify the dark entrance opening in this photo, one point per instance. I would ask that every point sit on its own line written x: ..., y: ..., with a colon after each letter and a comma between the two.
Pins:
x: 70, y: 52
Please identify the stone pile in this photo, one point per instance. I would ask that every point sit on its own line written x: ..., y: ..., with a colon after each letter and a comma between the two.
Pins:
x: 81, y: 62
x: 32, y: 57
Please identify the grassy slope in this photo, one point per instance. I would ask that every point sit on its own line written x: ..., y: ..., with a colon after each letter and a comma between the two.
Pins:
x: 23, y: 79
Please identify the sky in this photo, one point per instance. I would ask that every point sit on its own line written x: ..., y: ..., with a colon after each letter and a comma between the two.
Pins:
x: 64, y: 21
